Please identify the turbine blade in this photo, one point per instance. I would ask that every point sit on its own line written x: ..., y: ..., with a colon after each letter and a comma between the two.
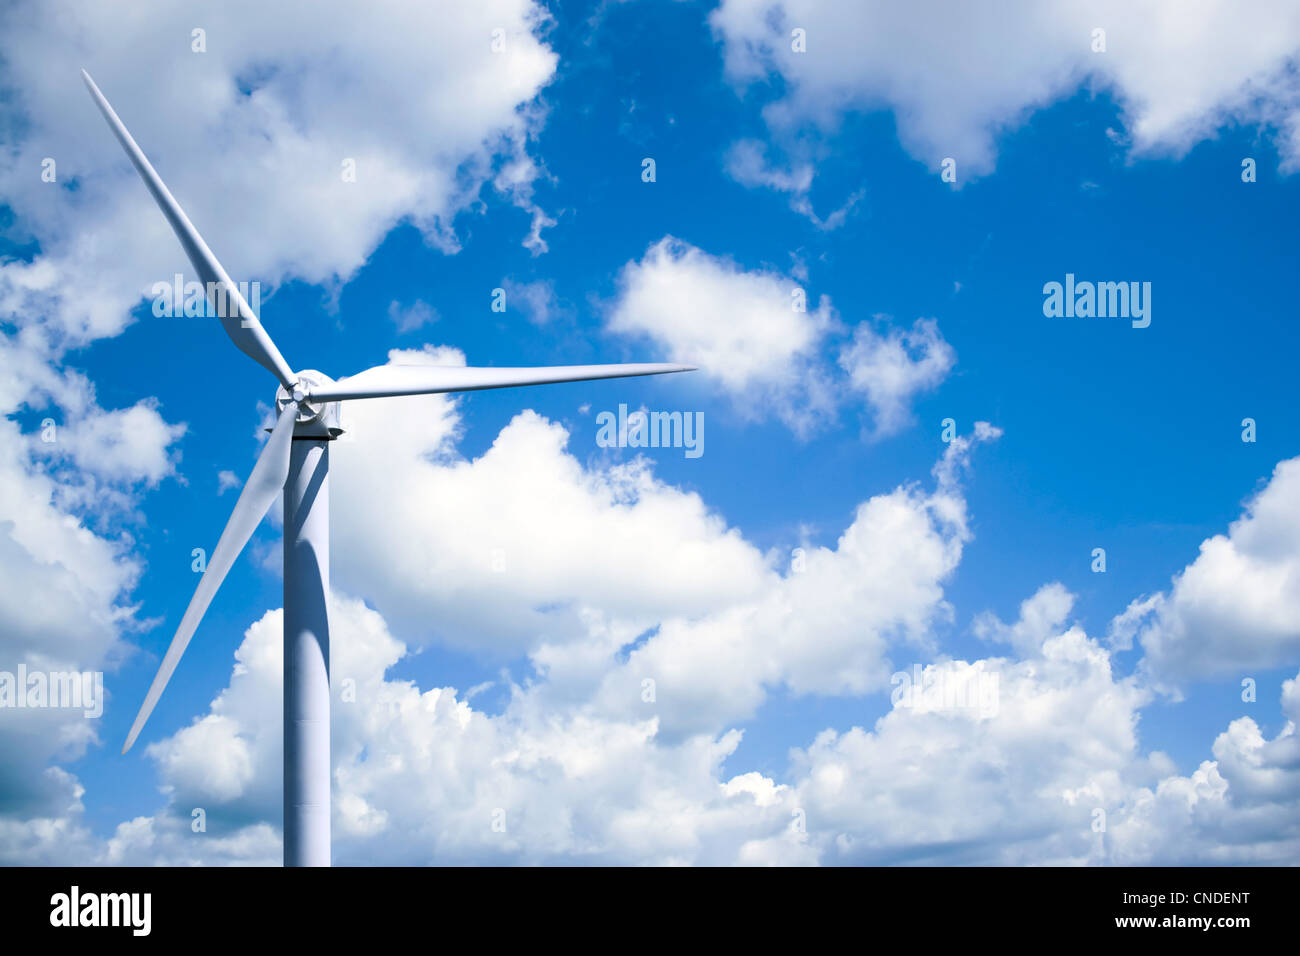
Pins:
x: 385, y: 381
x: 240, y: 321
x: 265, y: 482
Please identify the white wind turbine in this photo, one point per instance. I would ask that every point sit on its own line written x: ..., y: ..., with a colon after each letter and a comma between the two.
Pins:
x: 296, y: 460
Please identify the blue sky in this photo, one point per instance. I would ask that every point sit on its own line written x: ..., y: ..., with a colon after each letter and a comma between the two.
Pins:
x: 1113, y: 437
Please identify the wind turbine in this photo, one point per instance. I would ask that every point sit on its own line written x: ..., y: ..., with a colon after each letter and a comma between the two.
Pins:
x: 296, y: 460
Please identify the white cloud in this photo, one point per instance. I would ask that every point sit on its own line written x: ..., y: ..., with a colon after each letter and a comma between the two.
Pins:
x: 747, y: 164
x: 827, y: 629
x: 1041, y: 616
x: 568, y: 731
x: 293, y: 97
x: 419, y: 776
x: 408, y: 318
x: 741, y: 327
x: 1237, y: 606
x: 512, y: 549
x: 586, y: 770
x: 535, y: 299
x: 754, y: 336
x: 129, y: 444
x: 891, y: 368
x: 68, y: 567
x: 582, y: 770
x: 63, y: 583
x: 956, y: 75
x: 1240, y: 808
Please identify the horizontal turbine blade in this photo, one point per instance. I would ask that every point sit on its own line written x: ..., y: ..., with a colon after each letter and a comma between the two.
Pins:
x: 385, y: 381
x: 240, y: 321
x: 266, y: 481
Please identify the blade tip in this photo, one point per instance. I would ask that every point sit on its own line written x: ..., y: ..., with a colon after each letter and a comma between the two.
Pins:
x: 91, y: 87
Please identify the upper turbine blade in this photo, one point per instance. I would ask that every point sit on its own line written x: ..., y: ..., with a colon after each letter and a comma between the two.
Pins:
x: 266, y: 481
x: 238, y: 318
x: 384, y: 381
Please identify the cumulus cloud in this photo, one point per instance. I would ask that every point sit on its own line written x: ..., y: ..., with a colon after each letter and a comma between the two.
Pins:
x: 294, y: 100
x: 580, y: 765
x: 889, y: 369
x: 1056, y: 777
x: 65, y: 591
x: 1241, y: 807
x: 62, y: 599
x: 511, y: 549
x: 1237, y: 606
x: 130, y: 444
x: 953, y: 90
x: 741, y: 327
x: 571, y: 728
x: 422, y: 777
x: 753, y: 336
x: 828, y: 626
x: 525, y: 551
x: 1041, y: 616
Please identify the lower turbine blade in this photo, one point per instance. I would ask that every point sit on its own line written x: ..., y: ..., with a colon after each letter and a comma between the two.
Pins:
x: 266, y: 481
x: 385, y: 381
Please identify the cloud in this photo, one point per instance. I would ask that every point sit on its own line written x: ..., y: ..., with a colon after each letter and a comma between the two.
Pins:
x: 579, y: 766
x: 67, y: 499
x: 535, y: 299
x: 890, y: 369
x: 294, y: 99
x: 1041, y: 616
x: 755, y: 340
x: 1239, y: 808
x: 741, y: 327
x: 1032, y: 784
x: 596, y: 575
x: 421, y: 776
x: 956, y: 76
x: 511, y: 549
x: 129, y: 444
x: 828, y: 626
x: 1237, y: 606
x: 569, y: 729
x: 748, y: 165
x: 61, y: 599
x: 411, y: 317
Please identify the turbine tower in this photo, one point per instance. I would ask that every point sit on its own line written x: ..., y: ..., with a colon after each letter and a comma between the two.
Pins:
x: 296, y: 460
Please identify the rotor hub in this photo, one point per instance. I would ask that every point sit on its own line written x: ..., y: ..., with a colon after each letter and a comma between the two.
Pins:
x: 309, y: 411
